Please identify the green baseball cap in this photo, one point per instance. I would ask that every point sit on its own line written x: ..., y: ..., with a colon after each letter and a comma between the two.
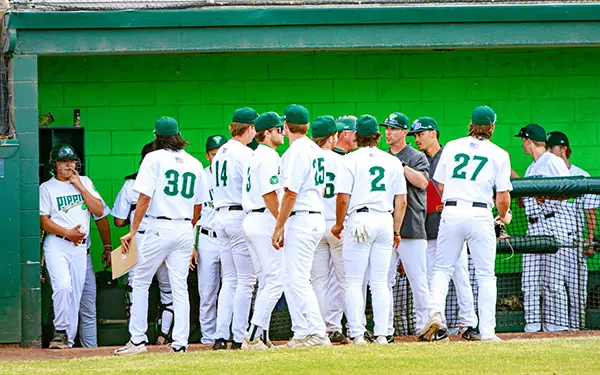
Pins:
x: 215, y: 141
x: 367, y: 125
x: 324, y: 126
x: 533, y: 132
x: 423, y: 124
x: 244, y: 115
x: 166, y: 126
x: 267, y: 120
x: 254, y: 144
x: 296, y: 114
x: 347, y: 122
x: 483, y: 116
x: 397, y: 120
x: 557, y: 139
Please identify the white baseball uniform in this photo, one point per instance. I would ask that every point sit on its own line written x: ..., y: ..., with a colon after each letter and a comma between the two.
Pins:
x: 329, y: 251
x: 469, y: 169
x: 124, y: 208
x: 238, y: 275
x: 66, y: 263
x: 372, y: 178
x: 303, y: 171
x: 175, y: 182
x: 545, y: 220
x: 209, y: 266
x: 262, y: 177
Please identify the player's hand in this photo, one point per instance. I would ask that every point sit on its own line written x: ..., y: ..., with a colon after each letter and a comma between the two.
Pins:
x: 277, y: 239
x: 106, y: 257
x: 337, y: 229
x: 74, y: 235
x: 589, y: 252
x: 540, y: 200
x: 400, y: 269
x: 75, y: 179
x: 396, y: 241
x: 193, y: 260
x: 439, y: 208
x: 506, y: 219
x: 125, y: 240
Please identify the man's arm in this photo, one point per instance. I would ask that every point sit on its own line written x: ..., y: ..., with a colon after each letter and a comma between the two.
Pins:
x: 441, y: 188
x: 341, y: 209
x: 503, y: 204
x: 287, y: 204
x: 416, y: 178
x: 120, y: 222
x: 197, y: 212
x: 399, y: 211
x: 94, y: 204
x: 140, y: 211
x: 590, y: 221
x: 104, y: 231
x: 51, y: 227
x: 272, y: 202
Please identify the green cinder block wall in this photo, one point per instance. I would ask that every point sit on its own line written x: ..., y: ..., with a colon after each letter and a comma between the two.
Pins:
x: 121, y: 96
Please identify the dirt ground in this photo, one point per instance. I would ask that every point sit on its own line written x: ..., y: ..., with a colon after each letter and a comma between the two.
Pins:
x: 16, y: 353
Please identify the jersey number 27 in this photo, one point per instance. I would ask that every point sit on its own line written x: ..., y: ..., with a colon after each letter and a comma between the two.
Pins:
x: 463, y: 160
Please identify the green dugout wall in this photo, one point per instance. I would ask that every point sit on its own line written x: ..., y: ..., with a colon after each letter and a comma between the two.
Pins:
x: 122, y: 70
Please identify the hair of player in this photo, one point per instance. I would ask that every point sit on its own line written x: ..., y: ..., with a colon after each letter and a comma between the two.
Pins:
x: 238, y: 128
x: 298, y: 129
x: 437, y: 134
x: 171, y: 142
x: 148, y: 148
x: 262, y: 135
x: 321, y: 141
x: 538, y: 143
x: 481, y: 132
x: 568, y: 152
x: 368, y: 141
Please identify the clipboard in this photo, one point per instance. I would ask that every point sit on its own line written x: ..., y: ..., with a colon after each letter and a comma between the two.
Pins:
x: 122, y: 263
x: 434, y: 199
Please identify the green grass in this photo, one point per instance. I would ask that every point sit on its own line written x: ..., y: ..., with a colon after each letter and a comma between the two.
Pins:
x: 547, y: 356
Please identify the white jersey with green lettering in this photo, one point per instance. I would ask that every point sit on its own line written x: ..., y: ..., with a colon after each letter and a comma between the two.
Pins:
x: 64, y: 204
x: 262, y: 177
x: 175, y: 181
x: 548, y: 165
x: 207, y: 216
x: 228, y: 166
x: 372, y: 178
x: 333, y: 163
x: 470, y: 168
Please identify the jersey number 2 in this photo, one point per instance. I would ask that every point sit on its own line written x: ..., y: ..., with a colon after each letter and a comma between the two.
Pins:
x: 463, y: 160
x: 376, y: 184
x: 188, y: 180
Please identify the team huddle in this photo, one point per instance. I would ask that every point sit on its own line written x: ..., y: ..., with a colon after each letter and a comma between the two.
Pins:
x: 333, y: 215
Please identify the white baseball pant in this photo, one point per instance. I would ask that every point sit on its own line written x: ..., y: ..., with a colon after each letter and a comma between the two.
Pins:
x: 302, y: 232
x: 209, y: 281
x: 372, y: 257
x: 238, y: 276
x: 413, y: 254
x: 67, y: 268
x: 462, y: 285
x: 88, y: 331
x: 475, y: 226
x: 328, y: 283
x: 172, y: 242
x: 258, y: 228
x: 531, y: 281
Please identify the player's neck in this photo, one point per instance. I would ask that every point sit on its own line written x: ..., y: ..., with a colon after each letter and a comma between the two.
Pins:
x: 537, y: 153
x: 566, y: 162
x: 293, y: 137
x: 61, y: 178
x: 396, y: 148
x: 432, y: 150
x: 343, y: 146
x: 268, y: 144
x: 241, y: 139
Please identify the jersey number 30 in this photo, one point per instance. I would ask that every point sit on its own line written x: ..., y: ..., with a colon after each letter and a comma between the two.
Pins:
x: 463, y: 160
x: 188, y: 180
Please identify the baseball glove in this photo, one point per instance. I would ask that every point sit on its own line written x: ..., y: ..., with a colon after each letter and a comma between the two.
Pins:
x: 511, y: 303
x: 361, y: 232
x: 500, y: 229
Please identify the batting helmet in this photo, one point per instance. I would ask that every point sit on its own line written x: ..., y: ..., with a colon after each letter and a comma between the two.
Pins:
x: 63, y: 152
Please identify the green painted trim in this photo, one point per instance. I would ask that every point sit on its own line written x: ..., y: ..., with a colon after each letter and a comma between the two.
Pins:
x: 8, y: 148
x: 317, y: 16
x: 298, y: 38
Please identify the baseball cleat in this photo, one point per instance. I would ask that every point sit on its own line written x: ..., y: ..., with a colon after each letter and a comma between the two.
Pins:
x: 236, y: 345
x: 295, y: 343
x: 381, y: 340
x: 60, y: 340
x: 317, y: 340
x: 256, y: 344
x: 161, y: 340
x: 358, y: 340
x: 220, y: 344
x: 492, y: 339
x: 369, y: 336
x: 470, y: 334
x: 433, y: 324
x: 131, y: 348
x: 440, y: 335
x: 183, y: 349
x: 336, y: 336
x: 390, y: 339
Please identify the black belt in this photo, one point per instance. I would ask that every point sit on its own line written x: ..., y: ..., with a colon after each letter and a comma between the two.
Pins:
x: 309, y: 212
x: 534, y: 220
x: 209, y: 233
x: 475, y: 204
x: 141, y: 231
x: 66, y: 239
x: 364, y: 209
x: 168, y: 218
x: 232, y: 208
x: 259, y: 210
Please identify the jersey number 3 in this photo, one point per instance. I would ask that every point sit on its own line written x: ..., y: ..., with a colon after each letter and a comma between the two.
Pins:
x: 463, y: 160
x: 188, y: 180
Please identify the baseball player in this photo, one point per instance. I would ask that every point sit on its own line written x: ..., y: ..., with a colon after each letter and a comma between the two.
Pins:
x: 346, y: 136
x: 371, y: 184
x: 238, y: 275
x: 426, y: 132
x: 301, y: 214
x: 576, y: 264
x: 66, y: 202
x: 542, y: 217
x: 123, y: 213
x: 467, y: 172
x: 209, y: 264
x: 260, y: 198
x: 329, y: 250
x: 172, y: 188
x: 413, y: 248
